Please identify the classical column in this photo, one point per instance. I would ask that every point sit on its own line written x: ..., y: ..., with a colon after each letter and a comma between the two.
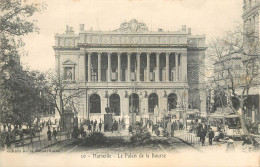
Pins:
x: 148, y: 67
x: 158, y: 67
x: 119, y: 66
x: 128, y: 67
x: 108, y: 67
x: 184, y: 66
x: 82, y: 67
x: 89, y: 67
x: 177, y: 66
x: 167, y: 66
x: 138, y: 66
x: 99, y: 67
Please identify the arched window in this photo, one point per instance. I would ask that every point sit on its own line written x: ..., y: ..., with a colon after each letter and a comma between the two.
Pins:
x: 134, y: 103
x: 95, y: 106
x: 152, y: 102
x: 114, y: 103
x: 172, y: 101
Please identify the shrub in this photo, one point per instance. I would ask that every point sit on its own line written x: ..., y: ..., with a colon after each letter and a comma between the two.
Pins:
x: 96, y: 138
x: 141, y: 136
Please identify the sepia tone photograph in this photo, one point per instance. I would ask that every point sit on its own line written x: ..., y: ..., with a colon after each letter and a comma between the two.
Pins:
x: 129, y: 83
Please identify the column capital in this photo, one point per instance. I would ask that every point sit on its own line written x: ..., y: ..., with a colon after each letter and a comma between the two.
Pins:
x: 138, y: 53
x: 183, y: 53
x: 88, y: 53
x: 167, y: 53
x: 109, y: 53
x: 158, y: 53
x: 99, y: 53
x: 118, y: 53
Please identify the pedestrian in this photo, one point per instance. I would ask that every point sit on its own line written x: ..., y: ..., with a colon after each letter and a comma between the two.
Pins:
x: 54, y: 133
x: 95, y: 125
x: 113, y: 127
x: 203, y: 136
x: 81, y: 131
x: 100, y: 126
x: 75, y: 132
x: 4, y: 127
x: 116, y: 126
x: 130, y: 129
x: 211, y: 136
x: 89, y: 127
x: 172, y: 129
x: 9, y: 128
x: 49, y: 134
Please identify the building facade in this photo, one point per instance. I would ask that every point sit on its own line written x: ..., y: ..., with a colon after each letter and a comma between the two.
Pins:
x: 251, y: 20
x: 239, y: 62
x: 132, y: 69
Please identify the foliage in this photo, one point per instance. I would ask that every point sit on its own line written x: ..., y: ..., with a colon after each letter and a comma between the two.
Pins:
x: 235, y: 82
x: 141, y: 136
x: 96, y: 138
x: 60, y: 92
x: 22, y: 97
x: 19, y: 92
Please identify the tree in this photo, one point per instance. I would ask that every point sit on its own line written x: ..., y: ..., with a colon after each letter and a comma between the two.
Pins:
x: 236, y: 58
x: 61, y: 92
x: 22, y: 97
x: 17, y: 86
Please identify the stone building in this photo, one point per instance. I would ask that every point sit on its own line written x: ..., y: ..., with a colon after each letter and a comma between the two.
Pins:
x: 237, y: 62
x: 154, y: 72
x: 251, y: 20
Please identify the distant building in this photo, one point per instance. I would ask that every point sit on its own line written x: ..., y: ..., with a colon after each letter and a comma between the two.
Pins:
x: 133, y: 69
x: 238, y: 62
x: 252, y: 26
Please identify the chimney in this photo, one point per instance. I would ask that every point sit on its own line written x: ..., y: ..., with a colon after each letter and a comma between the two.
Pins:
x: 189, y: 31
x: 81, y: 27
x: 183, y: 27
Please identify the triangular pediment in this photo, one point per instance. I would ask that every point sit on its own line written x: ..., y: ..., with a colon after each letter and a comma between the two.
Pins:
x: 132, y: 26
x: 68, y: 62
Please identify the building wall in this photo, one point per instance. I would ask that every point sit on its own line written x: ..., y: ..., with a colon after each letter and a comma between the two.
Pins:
x: 72, y: 52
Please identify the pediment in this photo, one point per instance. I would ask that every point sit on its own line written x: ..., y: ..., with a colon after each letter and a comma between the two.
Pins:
x: 68, y: 62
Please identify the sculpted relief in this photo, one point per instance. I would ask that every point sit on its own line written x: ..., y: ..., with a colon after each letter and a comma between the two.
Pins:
x: 133, y: 26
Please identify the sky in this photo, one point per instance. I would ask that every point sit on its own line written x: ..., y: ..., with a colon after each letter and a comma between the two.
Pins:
x: 209, y: 17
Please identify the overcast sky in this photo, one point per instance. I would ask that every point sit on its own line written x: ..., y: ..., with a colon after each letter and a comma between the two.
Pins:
x: 209, y: 17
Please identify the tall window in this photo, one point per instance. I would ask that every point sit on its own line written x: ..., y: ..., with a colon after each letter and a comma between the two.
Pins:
x: 95, y: 106
x: 152, y: 102
x: 114, y: 103
x: 172, y: 101
x: 134, y: 103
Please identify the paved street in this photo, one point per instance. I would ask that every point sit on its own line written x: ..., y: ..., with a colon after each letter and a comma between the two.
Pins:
x: 181, y: 142
x: 162, y: 144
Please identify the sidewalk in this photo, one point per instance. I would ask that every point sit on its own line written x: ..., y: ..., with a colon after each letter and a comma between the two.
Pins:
x: 216, y: 146
x: 192, y: 139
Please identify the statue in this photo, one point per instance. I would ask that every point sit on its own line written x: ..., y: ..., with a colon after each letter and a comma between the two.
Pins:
x: 69, y: 75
